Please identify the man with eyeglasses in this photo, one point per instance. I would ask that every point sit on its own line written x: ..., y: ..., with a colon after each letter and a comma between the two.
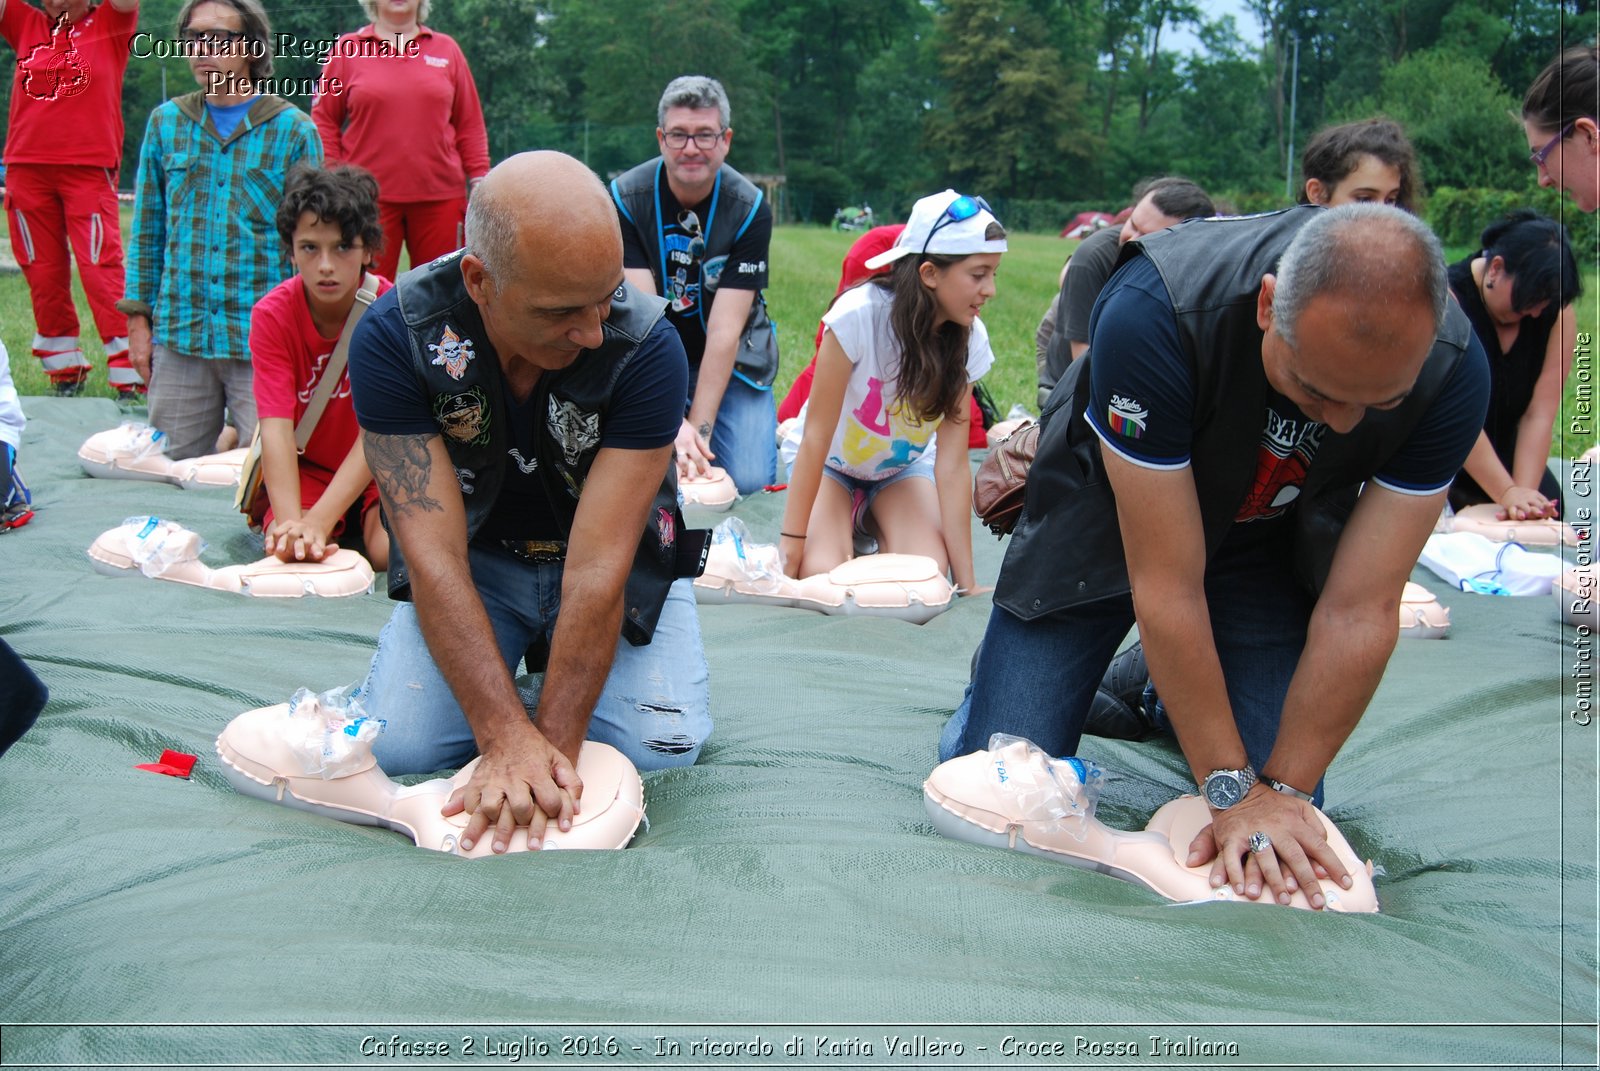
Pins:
x: 63, y: 151
x: 1246, y: 462
x: 697, y: 232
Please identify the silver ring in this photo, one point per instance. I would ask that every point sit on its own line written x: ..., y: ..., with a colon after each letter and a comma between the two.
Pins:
x: 1259, y: 842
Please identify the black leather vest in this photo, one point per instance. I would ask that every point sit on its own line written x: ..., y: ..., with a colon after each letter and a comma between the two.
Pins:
x: 460, y: 373
x: 1067, y: 546
x: 734, y: 201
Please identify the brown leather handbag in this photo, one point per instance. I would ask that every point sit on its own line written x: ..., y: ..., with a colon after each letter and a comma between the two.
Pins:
x: 1002, y: 480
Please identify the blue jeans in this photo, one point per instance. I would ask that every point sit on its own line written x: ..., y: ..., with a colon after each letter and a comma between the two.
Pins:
x: 654, y: 708
x: 1035, y: 679
x: 745, y: 437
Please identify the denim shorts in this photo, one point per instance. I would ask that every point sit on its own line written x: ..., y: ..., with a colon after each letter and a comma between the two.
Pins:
x: 922, y: 466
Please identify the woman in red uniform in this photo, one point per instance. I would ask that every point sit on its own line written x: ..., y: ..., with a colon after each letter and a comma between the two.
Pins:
x: 399, y: 100
x: 59, y: 189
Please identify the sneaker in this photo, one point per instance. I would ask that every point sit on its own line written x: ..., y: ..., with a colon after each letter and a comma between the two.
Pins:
x: 16, y: 502
x: 1117, y: 711
x: 67, y: 388
x: 15, y: 516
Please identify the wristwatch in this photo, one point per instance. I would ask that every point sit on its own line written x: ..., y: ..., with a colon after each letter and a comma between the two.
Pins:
x: 1287, y: 790
x: 1223, y: 788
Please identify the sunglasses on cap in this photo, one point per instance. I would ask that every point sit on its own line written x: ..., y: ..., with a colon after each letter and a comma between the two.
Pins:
x: 961, y: 208
x: 690, y: 223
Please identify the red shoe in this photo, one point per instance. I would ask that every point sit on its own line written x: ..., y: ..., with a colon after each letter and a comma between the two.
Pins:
x: 15, y: 516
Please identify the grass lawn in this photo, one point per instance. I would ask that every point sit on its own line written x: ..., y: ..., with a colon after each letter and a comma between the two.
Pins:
x: 805, y: 270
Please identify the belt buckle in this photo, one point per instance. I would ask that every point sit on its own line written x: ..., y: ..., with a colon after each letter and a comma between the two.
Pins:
x: 537, y: 551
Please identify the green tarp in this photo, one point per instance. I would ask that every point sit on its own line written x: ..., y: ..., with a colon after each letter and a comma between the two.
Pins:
x: 789, y: 885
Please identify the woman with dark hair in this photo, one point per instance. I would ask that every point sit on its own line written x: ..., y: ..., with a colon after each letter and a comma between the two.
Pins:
x: 1559, y: 117
x: 1518, y: 292
x: 406, y: 109
x: 1369, y: 160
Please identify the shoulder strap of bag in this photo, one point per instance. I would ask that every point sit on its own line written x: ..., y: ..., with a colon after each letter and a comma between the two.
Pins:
x: 335, y: 367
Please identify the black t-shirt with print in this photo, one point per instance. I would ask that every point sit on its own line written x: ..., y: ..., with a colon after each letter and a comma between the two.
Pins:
x: 690, y: 272
x: 645, y: 413
x: 1142, y: 405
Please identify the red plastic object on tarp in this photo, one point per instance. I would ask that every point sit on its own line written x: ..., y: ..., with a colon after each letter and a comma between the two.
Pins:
x: 172, y: 763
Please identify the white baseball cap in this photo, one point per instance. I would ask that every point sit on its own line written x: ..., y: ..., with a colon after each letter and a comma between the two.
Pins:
x: 948, y: 224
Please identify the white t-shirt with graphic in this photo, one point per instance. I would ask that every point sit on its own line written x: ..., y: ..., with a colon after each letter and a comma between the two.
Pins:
x: 875, y: 438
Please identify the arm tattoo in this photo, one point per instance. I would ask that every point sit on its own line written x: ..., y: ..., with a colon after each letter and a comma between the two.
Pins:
x: 705, y: 430
x: 402, y: 465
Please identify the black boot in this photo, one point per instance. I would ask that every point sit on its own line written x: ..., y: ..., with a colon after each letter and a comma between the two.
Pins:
x: 1117, y: 710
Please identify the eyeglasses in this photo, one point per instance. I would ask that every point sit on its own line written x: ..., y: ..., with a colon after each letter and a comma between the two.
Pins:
x: 221, y: 42
x: 1541, y: 155
x: 961, y: 208
x: 691, y: 226
x: 703, y: 139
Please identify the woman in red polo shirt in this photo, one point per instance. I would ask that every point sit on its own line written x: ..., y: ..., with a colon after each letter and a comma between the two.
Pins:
x: 399, y: 101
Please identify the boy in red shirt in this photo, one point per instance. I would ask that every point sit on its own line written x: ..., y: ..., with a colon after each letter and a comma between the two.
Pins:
x: 63, y: 151
x: 329, y: 221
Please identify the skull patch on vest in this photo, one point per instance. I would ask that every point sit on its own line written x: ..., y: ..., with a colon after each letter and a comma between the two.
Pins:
x: 463, y: 418
x: 577, y: 432
x: 452, y: 352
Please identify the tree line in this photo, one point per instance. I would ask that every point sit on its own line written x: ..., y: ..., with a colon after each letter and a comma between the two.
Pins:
x: 1042, y: 106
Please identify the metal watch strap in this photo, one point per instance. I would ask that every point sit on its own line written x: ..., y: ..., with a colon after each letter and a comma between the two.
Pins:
x: 1287, y: 790
x: 1245, y: 776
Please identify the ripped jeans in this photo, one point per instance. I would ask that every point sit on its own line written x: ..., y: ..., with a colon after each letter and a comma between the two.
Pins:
x: 654, y: 708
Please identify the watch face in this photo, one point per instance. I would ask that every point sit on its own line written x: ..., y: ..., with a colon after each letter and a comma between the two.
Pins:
x: 1223, y: 790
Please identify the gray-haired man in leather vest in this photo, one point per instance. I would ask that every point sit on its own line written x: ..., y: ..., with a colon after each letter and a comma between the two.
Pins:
x: 697, y: 232
x: 1247, y: 461
x: 519, y: 402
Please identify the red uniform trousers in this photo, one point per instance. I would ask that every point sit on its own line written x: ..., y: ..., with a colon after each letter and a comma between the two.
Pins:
x: 428, y: 229
x: 48, y: 205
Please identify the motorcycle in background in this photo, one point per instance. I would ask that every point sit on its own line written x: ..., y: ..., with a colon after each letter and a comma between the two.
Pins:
x: 853, y: 218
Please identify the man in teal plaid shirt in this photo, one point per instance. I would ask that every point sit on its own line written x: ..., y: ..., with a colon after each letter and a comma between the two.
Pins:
x: 204, y: 247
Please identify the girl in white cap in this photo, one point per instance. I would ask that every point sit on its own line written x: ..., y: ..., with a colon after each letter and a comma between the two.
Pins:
x: 885, y: 441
